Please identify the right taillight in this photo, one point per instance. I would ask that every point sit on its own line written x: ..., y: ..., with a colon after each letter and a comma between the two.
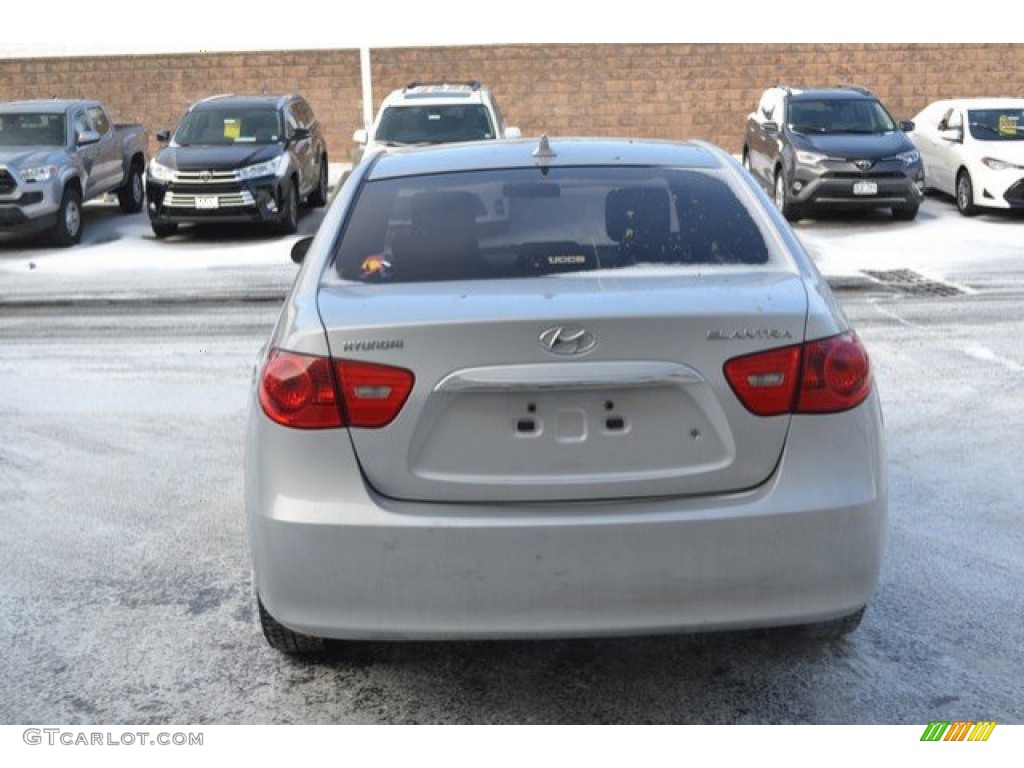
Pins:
x: 302, y: 391
x: 824, y: 376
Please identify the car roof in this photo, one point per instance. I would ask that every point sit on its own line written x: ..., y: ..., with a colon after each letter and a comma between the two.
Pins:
x: 242, y: 101
x: 808, y: 94
x: 438, y: 93
x: 45, y: 105
x: 565, y: 152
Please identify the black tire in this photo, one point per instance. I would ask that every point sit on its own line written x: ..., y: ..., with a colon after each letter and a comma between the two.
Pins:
x: 318, y: 197
x: 834, y: 629
x: 68, y: 229
x: 285, y: 640
x: 905, y: 212
x: 786, y: 208
x: 289, y: 222
x: 163, y: 229
x: 965, y: 194
x: 132, y: 196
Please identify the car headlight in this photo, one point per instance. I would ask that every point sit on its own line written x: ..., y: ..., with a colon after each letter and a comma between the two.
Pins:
x: 160, y: 172
x: 910, y: 157
x: 999, y: 165
x: 38, y: 173
x: 269, y: 168
x: 810, y: 158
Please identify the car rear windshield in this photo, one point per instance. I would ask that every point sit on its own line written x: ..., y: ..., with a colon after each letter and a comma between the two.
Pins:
x: 996, y: 124
x: 437, y: 124
x: 840, y: 116
x: 229, y: 126
x: 526, y: 222
x: 32, y: 129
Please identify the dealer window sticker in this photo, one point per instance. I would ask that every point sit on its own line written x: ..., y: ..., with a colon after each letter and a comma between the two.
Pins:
x: 1008, y: 125
x: 232, y: 128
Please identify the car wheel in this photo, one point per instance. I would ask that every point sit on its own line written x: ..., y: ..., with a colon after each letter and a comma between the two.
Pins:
x: 290, y: 213
x: 965, y: 194
x: 834, y: 629
x: 318, y: 197
x: 285, y: 640
x: 68, y: 229
x: 786, y: 208
x: 905, y: 212
x: 132, y: 195
x: 164, y: 229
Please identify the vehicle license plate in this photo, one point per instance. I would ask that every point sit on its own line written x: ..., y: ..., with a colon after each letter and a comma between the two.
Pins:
x: 207, y: 202
x: 865, y: 188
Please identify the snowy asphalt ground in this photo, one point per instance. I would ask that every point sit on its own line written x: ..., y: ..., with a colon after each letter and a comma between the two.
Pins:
x: 124, y: 593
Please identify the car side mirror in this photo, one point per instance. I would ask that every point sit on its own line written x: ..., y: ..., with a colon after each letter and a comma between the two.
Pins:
x: 955, y: 135
x: 360, y: 136
x: 906, y: 126
x: 300, y: 249
x: 513, y: 132
x: 300, y: 133
x: 770, y: 126
x: 84, y: 138
x: 163, y: 137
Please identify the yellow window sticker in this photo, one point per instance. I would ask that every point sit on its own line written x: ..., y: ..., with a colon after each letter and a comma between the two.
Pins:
x: 232, y: 128
x: 1008, y: 125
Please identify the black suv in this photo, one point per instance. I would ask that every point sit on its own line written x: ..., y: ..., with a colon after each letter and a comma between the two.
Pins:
x: 832, y: 147
x: 238, y: 158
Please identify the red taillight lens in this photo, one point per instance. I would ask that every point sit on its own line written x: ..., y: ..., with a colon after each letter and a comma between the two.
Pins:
x: 298, y: 391
x: 825, y: 376
x: 837, y: 375
x: 766, y: 382
x: 373, y: 394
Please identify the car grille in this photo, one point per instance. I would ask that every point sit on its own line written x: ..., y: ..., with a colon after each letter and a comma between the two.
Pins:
x: 204, y: 177
x: 240, y: 199
x: 865, y: 175
x: 7, y: 182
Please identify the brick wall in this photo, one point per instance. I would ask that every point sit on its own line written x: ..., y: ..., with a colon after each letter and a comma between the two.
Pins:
x: 662, y: 91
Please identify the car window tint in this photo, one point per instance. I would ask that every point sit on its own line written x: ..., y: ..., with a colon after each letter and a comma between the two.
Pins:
x: 521, y: 223
x: 437, y: 124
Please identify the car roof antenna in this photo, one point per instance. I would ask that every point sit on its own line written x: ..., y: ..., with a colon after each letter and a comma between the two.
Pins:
x: 543, y: 154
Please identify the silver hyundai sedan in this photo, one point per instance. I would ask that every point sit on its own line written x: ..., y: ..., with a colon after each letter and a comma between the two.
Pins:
x: 562, y: 388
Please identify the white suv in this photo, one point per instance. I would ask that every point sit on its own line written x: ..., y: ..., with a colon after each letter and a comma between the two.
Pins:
x: 435, y: 113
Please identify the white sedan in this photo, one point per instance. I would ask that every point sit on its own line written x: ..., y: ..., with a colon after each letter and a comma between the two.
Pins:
x: 973, y: 149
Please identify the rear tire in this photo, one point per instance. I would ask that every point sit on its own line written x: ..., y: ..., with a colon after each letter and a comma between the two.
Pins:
x: 164, y: 229
x: 132, y: 195
x: 786, y: 208
x: 834, y: 629
x: 285, y: 640
x: 965, y: 194
x: 68, y: 229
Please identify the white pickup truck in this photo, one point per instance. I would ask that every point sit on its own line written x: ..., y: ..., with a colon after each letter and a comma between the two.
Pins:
x: 56, y: 154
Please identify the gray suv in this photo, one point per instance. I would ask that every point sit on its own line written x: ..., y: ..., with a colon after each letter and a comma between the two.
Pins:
x: 835, y: 148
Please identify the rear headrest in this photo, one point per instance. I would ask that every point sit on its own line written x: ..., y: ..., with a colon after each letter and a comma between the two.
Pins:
x: 642, y: 212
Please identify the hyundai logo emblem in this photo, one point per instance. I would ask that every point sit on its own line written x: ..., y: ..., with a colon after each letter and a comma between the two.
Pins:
x: 568, y: 340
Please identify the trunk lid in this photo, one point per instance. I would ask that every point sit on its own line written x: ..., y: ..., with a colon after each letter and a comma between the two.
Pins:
x: 564, y: 388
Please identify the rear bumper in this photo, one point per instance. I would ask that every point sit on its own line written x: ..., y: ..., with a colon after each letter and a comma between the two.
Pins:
x: 332, y: 560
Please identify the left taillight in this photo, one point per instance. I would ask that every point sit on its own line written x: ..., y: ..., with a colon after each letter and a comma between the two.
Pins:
x: 302, y: 391
x: 824, y: 376
x: 299, y: 391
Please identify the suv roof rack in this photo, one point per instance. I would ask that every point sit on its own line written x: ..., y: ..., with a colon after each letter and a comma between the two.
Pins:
x: 855, y: 87
x: 473, y: 85
x: 215, y: 97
